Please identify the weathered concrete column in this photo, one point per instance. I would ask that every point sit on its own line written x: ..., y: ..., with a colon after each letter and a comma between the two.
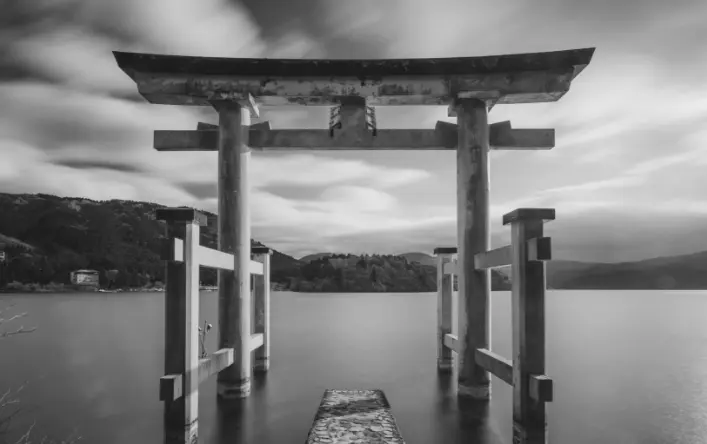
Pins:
x: 262, y: 309
x: 528, y: 311
x: 445, y: 361
x: 234, y: 237
x: 472, y: 237
x: 181, y: 325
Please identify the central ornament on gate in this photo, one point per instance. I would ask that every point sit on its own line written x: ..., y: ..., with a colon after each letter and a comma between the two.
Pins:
x: 352, y: 116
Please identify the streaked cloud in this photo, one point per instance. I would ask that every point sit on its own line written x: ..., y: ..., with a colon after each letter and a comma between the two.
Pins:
x: 626, y: 176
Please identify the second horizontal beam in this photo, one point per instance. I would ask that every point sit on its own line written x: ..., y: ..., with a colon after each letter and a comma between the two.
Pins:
x: 205, y: 257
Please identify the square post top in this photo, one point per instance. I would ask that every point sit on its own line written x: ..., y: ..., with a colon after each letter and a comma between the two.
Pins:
x: 181, y: 215
x: 527, y: 214
x: 445, y: 250
x: 261, y: 250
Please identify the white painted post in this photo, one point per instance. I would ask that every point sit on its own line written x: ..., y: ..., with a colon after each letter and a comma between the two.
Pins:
x: 445, y: 360
x: 528, y: 311
x: 262, y: 309
x: 181, y: 325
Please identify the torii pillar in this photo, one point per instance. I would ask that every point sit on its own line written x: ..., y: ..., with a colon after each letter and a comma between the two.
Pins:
x: 234, y: 295
x: 473, y: 303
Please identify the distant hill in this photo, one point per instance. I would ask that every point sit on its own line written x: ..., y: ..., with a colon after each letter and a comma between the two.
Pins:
x: 683, y: 272
x: 372, y: 273
x: 421, y: 258
x: 47, y: 237
x: 312, y: 257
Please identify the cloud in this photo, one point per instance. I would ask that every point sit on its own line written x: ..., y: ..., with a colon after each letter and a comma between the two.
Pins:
x: 628, y: 167
x: 73, y: 56
x: 88, y: 164
x: 215, y: 28
x: 308, y: 169
x: 29, y: 170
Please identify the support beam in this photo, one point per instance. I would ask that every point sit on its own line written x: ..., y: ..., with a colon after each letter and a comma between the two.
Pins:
x: 308, y: 139
x: 503, y: 137
x: 451, y: 342
x: 528, y: 311
x: 206, y: 257
x: 171, y: 385
x: 234, y: 238
x: 202, y: 126
x: 540, y: 387
x: 256, y: 341
x: 495, y: 364
x: 451, y: 267
x: 211, y: 258
x: 443, y: 137
x: 540, y: 249
x: 473, y: 237
x: 256, y: 268
x: 260, y: 126
x: 261, y: 294
x: 212, y: 365
x: 445, y: 360
x: 499, y: 257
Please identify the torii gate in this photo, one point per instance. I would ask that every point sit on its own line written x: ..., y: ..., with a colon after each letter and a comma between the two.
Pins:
x: 470, y: 86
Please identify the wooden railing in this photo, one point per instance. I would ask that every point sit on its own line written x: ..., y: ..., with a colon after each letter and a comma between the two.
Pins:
x: 184, y: 371
x: 526, y: 372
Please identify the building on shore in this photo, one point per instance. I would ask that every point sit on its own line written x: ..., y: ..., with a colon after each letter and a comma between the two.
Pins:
x: 85, y: 279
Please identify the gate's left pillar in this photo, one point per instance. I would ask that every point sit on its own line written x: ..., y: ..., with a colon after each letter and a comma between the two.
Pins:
x: 234, y: 297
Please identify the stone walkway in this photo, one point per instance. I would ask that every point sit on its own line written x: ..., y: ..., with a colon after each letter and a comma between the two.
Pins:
x: 353, y: 417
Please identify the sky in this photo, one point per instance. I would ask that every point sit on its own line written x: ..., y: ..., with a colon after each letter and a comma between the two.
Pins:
x: 626, y: 177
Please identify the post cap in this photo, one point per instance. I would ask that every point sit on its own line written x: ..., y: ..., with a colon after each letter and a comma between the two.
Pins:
x: 261, y: 250
x: 181, y: 215
x: 523, y: 214
x: 445, y: 250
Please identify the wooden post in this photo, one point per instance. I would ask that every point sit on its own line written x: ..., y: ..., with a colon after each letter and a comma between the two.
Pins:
x: 528, y: 308
x: 234, y: 237
x: 444, y: 308
x: 262, y: 309
x: 472, y: 237
x: 181, y: 325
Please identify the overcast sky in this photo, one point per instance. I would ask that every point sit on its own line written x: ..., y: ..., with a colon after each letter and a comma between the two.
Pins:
x: 631, y: 135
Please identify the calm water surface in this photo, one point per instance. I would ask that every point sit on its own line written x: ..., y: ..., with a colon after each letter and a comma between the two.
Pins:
x: 629, y: 367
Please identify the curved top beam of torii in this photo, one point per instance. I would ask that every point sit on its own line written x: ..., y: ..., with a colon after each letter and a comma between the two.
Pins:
x: 355, y: 86
x: 514, y: 78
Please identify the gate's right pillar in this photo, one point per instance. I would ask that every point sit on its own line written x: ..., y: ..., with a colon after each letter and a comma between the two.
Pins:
x: 472, y: 237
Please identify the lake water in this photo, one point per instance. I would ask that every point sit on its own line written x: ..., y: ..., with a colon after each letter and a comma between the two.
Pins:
x: 629, y: 367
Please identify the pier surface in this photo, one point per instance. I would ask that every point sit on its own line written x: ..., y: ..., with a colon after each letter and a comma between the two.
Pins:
x: 354, y: 416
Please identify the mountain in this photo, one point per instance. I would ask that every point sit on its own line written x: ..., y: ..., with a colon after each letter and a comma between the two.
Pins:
x: 421, y: 258
x: 683, y: 272
x: 372, y: 273
x: 312, y: 257
x: 46, y: 237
